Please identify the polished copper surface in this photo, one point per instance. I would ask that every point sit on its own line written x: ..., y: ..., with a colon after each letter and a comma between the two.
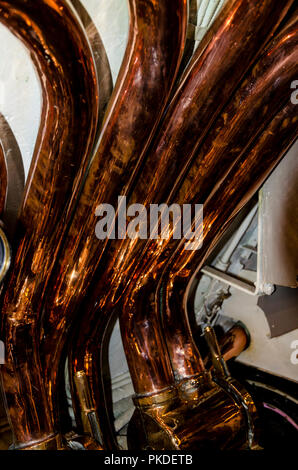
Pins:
x: 63, y: 60
x: 3, y: 180
x: 232, y: 343
x: 214, y: 146
x: 155, y: 46
x: 204, y: 89
x: 15, y: 176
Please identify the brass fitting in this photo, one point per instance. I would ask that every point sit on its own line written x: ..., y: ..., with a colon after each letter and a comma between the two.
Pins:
x: 197, y: 414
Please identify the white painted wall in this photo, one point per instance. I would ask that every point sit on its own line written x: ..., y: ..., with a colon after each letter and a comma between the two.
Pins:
x: 20, y: 91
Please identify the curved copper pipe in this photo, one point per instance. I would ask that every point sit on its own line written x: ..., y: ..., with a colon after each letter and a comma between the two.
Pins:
x: 64, y: 63
x: 189, y: 117
x: 231, y: 344
x: 243, y: 180
x: 169, y: 153
x: 152, y: 58
x: 203, y: 91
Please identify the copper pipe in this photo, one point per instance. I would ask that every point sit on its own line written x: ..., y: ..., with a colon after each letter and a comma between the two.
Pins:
x: 64, y: 63
x: 104, y: 75
x: 155, y: 46
x: 3, y: 180
x: 189, y: 117
x: 268, y: 149
x: 190, y: 37
x: 203, y: 91
x: 231, y: 344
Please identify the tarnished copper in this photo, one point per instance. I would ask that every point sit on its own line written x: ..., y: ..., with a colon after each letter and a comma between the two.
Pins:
x: 179, y: 405
x: 64, y: 63
x: 222, y: 377
x: 204, y: 89
x: 155, y: 46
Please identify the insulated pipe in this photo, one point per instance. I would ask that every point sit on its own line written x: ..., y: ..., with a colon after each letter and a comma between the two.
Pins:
x: 152, y: 58
x: 64, y: 63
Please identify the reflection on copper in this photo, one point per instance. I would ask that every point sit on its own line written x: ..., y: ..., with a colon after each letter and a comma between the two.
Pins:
x: 203, y: 91
x: 234, y: 342
x: 231, y: 344
x: 178, y: 404
x: 266, y: 151
x: 149, y: 68
x: 63, y: 60
x: 260, y: 100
